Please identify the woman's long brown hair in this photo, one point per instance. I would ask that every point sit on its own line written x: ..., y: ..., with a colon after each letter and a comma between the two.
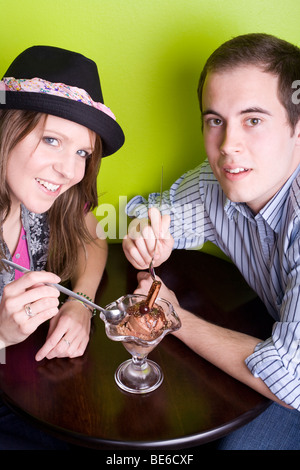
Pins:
x: 66, y: 217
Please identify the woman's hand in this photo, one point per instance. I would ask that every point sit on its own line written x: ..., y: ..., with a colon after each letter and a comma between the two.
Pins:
x: 69, y: 332
x: 138, y: 245
x: 26, y: 304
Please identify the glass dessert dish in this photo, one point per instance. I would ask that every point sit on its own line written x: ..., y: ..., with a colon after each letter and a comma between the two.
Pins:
x: 140, y: 333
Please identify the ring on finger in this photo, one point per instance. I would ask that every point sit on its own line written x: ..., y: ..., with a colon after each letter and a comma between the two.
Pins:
x: 66, y: 341
x: 28, y: 310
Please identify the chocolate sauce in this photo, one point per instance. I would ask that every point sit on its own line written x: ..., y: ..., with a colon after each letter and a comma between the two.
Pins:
x: 147, y: 306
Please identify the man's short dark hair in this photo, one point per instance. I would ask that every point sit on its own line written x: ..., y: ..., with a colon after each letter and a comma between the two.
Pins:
x: 267, y: 52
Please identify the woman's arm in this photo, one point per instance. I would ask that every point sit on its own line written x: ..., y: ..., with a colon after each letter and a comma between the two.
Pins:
x: 91, y: 262
x: 69, y: 332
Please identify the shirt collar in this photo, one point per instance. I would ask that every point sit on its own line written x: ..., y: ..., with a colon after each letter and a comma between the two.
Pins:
x: 272, y: 211
x: 232, y: 208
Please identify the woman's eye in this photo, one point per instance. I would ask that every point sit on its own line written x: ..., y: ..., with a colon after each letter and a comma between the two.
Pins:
x: 83, y: 153
x: 50, y: 141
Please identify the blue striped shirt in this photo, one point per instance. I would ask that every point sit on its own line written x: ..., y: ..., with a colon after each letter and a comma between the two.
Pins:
x: 266, y: 249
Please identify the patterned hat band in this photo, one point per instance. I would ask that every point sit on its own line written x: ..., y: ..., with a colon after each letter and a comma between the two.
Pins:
x: 38, y: 85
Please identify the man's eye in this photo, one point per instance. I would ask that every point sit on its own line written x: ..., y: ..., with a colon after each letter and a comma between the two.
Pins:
x: 253, y: 121
x: 214, y: 122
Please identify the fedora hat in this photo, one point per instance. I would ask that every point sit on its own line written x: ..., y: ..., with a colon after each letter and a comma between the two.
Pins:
x: 62, y: 83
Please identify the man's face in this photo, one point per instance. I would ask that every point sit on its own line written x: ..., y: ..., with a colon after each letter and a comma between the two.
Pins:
x: 250, y: 145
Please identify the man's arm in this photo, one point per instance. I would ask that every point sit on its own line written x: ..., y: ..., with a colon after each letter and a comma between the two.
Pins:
x: 226, y: 349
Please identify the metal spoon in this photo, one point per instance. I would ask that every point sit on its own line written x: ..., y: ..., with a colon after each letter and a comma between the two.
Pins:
x: 111, y: 316
x: 151, y: 268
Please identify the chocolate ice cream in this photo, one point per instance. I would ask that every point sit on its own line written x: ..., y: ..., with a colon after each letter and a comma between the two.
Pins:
x: 145, y: 320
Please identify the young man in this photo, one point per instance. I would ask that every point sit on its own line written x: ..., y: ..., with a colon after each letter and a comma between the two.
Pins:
x: 246, y: 200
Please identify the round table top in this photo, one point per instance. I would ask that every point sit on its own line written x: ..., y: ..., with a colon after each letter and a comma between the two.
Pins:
x: 79, y: 401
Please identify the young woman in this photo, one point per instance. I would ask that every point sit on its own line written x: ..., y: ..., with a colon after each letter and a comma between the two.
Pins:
x: 54, y: 129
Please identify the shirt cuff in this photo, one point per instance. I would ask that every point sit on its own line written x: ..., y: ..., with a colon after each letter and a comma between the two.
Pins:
x: 137, y: 207
x: 276, y: 361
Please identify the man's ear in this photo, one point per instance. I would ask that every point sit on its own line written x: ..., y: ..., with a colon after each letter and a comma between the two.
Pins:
x: 297, y: 132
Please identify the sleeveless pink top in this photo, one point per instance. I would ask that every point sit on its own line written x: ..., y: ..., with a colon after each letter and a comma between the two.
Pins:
x: 21, y: 255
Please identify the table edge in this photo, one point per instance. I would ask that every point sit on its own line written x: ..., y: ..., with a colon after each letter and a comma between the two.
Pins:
x: 182, y: 442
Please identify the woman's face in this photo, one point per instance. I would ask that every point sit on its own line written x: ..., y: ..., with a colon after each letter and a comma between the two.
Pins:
x: 47, y: 162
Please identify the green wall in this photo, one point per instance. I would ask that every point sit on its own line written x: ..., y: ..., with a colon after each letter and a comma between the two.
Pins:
x: 149, y: 54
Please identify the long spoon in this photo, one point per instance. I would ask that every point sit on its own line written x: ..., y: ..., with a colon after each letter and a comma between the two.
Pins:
x: 111, y: 316
x: 151, y: 268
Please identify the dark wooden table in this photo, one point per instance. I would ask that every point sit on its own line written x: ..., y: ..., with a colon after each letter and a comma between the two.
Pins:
x: 78, y: 400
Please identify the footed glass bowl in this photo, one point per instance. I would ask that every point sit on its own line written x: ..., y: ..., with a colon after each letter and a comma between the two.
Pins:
x: 139, y: 374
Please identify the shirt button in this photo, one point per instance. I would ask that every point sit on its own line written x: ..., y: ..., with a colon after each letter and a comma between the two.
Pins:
x: 18, y: 255
x: 268, y: 240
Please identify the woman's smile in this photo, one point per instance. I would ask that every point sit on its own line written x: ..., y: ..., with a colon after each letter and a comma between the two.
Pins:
x: 50, y: 187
